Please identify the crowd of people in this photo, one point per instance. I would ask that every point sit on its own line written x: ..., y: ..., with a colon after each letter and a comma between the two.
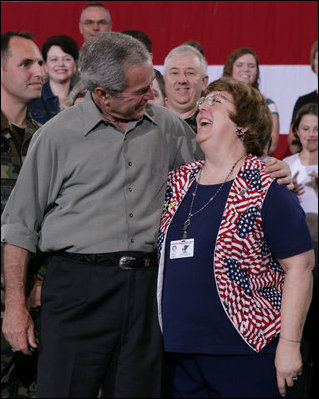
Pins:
x: 152, y: 246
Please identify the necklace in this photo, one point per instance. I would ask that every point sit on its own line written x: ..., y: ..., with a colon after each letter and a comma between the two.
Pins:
x: 190, y: 213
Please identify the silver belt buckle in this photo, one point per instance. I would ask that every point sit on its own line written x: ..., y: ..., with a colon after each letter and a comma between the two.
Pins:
x: 123, y: 260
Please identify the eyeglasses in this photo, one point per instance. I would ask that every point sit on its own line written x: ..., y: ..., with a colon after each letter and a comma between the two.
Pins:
x: 210, y: 100
x: 90, y: 22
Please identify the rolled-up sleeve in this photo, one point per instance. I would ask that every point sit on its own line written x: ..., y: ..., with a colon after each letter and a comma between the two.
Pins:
x: 34, y: 193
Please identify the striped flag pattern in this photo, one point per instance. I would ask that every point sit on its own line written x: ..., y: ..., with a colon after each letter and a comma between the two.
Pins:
x: 248, y: 278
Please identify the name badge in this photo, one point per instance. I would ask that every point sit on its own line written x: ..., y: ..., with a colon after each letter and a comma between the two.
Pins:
x: 182, y: 249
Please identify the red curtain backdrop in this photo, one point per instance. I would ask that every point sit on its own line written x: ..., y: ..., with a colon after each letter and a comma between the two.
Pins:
x: 280, y: 32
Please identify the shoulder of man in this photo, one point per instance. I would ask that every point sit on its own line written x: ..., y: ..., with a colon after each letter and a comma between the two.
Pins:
x: 165, y: 118
x: 66, y: 123
x: 32, y: 125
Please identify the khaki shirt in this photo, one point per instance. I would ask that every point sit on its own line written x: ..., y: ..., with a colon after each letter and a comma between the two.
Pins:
x: 92, y: 188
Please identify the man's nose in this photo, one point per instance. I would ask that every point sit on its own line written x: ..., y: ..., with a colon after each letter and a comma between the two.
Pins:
x: 38, y: 70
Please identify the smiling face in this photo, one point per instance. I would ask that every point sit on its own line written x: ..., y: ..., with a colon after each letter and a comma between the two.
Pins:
x: 60, y: 65
x: 308, y: 132
x: 184, y: 82
x: 213, y: 120
x: 245, y: 69
x: 130, y: 103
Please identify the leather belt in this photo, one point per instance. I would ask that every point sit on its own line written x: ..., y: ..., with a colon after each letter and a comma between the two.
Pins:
x: 124, y: 260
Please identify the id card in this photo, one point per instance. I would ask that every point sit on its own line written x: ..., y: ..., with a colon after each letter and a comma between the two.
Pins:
x: 182, y: 249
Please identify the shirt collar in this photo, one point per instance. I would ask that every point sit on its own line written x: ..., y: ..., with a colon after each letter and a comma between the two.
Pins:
x: 5, y: 124
x: 93, y: 116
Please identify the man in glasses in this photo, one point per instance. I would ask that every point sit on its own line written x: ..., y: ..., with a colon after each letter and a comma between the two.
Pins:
x: 95, y: 19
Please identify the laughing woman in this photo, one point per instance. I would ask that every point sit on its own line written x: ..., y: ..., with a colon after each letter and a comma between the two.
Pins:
x: 236, y: 259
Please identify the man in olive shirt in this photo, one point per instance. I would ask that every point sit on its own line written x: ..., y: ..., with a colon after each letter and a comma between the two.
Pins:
x: 94, y: 180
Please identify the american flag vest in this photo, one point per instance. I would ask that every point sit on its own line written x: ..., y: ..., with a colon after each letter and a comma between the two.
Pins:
x: 249, y: 279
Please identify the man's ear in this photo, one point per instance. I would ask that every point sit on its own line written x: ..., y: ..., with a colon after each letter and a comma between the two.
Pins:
x: 102, y: 94
x: 205, y: 82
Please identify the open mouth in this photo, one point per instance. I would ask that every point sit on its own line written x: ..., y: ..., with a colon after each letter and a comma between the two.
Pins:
x: 205, y: 122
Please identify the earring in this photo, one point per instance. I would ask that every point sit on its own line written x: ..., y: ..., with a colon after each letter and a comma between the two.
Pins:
x: 239, y: 132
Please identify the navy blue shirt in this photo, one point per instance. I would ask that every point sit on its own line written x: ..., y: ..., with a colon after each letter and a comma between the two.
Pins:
x: 194, y: 320
x: 45, y: 107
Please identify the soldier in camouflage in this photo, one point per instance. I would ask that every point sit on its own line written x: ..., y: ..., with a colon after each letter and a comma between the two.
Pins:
x: 22, y: 76
x: 14, y: 147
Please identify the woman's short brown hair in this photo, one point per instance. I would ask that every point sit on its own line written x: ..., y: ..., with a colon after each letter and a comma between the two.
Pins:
x: 252, y: 112
x: 228, y: 67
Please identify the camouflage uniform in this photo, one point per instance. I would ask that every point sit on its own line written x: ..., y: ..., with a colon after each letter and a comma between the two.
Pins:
x: 11, y: 157
x: 13, y: 152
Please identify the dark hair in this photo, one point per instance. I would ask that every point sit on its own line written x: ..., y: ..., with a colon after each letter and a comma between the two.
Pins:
x: 160, y: 81
x: 5, y: 39
x: 228, y: 67
x: 67, y: 44
x: 251, y: 111
x: 313, y: 51
x: 307, y: 109
x: 141, y: 36
x: 197, y: 45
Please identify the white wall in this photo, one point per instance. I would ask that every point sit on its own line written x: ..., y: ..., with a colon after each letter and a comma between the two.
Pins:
x: 282, y: 83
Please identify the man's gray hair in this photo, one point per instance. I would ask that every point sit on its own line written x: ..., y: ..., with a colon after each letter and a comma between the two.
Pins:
x: 186, y: 49
x: 105, y: 59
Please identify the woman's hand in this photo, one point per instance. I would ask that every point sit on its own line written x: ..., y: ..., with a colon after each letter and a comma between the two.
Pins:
x: 288, y: 363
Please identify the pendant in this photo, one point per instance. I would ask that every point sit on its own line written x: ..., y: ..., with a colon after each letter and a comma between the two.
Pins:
x: 186, y: 225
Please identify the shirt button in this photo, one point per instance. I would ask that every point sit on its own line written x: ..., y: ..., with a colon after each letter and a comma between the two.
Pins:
x: 130, y: 189
x: 130, y: 163
x: 132, y: 240
x: 131, y: 215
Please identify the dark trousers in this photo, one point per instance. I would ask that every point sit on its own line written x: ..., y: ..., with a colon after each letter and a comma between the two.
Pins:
x: 99, y: 329
x: 218, y: 376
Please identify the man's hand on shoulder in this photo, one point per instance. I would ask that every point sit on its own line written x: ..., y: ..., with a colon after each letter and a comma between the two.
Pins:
x: 279, y: 170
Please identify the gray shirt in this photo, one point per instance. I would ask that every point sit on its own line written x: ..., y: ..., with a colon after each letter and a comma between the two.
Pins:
x: 92, y: 188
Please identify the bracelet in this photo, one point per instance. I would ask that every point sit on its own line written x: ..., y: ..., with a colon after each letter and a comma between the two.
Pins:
x: 296, y: 341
